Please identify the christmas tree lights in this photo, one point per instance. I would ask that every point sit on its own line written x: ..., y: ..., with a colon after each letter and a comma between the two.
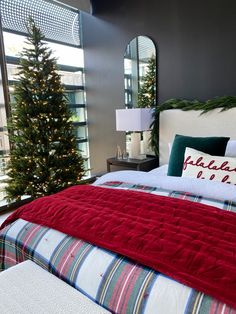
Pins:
x: 147, y: 90
x: 44, y: 157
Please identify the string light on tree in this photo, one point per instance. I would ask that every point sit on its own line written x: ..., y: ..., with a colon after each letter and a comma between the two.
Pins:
x: 147, y: 90
x: 41, y: 124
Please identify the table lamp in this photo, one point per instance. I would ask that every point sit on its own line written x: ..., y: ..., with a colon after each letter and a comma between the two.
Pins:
x: 134, y: 120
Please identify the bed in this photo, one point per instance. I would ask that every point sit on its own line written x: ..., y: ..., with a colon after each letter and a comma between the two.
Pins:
x: 147, y: 271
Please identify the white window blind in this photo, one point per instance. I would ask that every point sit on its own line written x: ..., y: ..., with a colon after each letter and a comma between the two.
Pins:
x: 58, y: 22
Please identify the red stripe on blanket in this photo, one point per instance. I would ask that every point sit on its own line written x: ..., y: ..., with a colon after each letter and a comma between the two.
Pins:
x: 190, y: 242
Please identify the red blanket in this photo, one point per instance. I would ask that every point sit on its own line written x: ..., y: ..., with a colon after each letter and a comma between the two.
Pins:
x: 190, y: 242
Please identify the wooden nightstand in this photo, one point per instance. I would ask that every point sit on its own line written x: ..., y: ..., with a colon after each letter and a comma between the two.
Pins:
x: 146, y: 164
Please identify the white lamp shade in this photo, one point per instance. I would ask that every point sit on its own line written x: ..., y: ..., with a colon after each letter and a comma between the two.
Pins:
x: 138, y: 119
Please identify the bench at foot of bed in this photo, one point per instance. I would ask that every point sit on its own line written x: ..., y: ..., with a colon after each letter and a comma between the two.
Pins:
x: 27, y: 288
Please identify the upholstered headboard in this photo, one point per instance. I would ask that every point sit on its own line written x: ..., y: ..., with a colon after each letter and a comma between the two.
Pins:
x: 192, y: 123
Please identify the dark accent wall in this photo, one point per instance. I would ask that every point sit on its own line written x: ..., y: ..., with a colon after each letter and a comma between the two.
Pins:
x: 196, y: 57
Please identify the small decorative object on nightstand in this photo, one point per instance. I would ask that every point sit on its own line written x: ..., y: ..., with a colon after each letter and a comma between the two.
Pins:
x: 118, y: 152
x: 146, y: 164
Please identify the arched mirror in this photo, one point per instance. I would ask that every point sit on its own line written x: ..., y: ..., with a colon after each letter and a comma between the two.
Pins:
x: 140, y: 96
x: 140, y: 73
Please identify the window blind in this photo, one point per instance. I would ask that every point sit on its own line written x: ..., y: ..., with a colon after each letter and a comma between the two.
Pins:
x: 58, y: 22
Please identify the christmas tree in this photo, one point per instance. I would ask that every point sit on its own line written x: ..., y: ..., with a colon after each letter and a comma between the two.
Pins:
x: 44, y: 157
x: 147, y: 90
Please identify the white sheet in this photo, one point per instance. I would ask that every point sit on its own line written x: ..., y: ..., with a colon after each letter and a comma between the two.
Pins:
x: 206, y: 188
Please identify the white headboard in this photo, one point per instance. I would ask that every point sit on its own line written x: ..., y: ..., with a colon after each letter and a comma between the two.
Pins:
x: 212, y: 123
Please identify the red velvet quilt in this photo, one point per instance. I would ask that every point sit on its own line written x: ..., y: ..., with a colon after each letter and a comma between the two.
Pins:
x: 190, y: 242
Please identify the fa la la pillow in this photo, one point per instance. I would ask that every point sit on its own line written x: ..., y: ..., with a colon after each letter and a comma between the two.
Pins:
x: 204, y: 166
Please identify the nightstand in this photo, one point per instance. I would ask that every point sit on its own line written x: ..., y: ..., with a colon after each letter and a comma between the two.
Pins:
x: 146, y: 164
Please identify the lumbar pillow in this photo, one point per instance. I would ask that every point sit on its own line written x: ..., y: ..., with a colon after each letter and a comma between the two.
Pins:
x: 204, y: 166
x: 210, y: 145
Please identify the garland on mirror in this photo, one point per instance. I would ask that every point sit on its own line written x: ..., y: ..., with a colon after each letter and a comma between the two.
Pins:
x: 223, y: 102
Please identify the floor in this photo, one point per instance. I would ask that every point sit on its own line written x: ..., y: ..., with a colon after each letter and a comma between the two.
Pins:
x: 4, y: 216
x: 3, y: 203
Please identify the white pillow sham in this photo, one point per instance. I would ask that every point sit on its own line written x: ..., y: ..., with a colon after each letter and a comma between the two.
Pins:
x: 160, y: 171
x: 231, y: 149
x: 204, y: 166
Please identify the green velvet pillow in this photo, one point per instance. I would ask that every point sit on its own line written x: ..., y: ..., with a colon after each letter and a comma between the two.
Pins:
x: 209, y: 145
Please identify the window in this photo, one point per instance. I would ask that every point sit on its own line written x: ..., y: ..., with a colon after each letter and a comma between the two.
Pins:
x: 61, y: 26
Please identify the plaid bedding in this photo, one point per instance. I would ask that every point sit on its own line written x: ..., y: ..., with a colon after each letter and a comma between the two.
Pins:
x: 111, y: 280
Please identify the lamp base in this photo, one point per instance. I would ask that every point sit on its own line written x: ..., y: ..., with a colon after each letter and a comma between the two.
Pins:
x: 135, y: 145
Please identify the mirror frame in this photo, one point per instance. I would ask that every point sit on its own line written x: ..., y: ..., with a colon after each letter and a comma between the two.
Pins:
x: 140, y: 69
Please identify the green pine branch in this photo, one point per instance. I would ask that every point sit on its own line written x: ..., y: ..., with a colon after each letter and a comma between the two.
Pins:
x: 223, y: 103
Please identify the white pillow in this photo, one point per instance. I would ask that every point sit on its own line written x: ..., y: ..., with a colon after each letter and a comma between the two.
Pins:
x: 204, y: 166
x: 160, y: 171
x: 230, y: 149
x: 170, y: 147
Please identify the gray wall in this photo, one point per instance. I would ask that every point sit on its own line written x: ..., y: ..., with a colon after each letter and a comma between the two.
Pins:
x: 196, y: 57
